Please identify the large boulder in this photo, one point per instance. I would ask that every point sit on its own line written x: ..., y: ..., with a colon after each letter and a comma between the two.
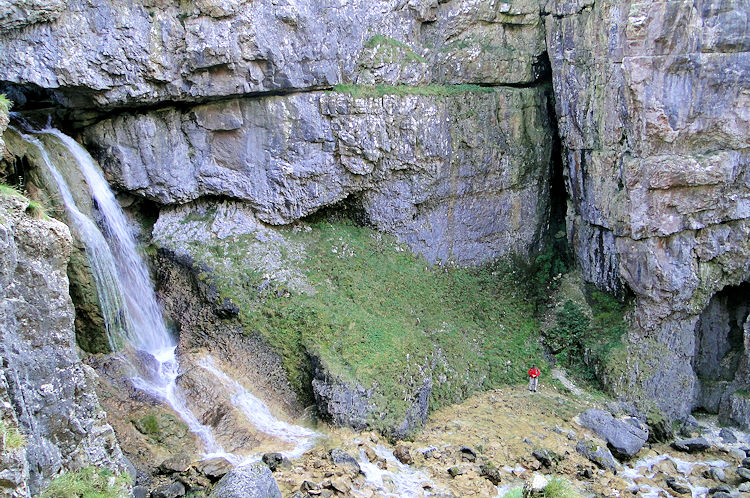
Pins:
x: 624, y: 437
x: 248, y: 481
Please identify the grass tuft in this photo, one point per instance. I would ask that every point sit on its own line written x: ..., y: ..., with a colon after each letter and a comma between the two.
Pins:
x: 11, y: 437
x: 89, y: 482
x: 5, y: 103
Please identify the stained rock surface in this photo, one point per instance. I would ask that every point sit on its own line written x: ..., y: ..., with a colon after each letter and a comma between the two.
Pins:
x: 48, y: 390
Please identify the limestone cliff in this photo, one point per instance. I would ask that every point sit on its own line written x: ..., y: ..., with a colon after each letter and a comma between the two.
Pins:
x: 652, y: 102
x: 236, y: 99
x: 44, y: 387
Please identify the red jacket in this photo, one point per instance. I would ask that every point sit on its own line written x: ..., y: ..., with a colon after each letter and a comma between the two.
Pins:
x: 534, y: 372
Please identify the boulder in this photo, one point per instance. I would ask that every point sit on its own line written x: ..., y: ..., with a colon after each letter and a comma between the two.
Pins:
x: 247, y: 481
x: 624, y: 438
x: 599, y: 455
x: 174, y: 490
x: 727, y: 435
x: 402, y: 454
x: 743, y: 473
x: 490, y: 472
x: 214, y: 468
x: 344, y: 459
x: 677, y: 487
x: 691, y: 445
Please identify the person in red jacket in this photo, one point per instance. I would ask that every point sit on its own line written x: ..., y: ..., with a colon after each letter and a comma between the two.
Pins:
x: 534, y: 374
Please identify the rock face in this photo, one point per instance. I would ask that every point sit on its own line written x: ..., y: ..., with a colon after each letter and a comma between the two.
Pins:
x: 212, y: 48
x: 347, y: 403
x: 651, y: 105
x: 651, y: 101
x: 48, y: 388
x: 461, y: 177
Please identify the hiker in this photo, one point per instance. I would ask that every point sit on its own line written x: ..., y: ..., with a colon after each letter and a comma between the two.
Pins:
x: 534, y: 374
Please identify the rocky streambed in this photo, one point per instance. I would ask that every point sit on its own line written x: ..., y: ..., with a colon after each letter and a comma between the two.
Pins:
x: 492, y: 444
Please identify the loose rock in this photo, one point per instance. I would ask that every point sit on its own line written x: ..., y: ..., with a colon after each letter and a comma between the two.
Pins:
x: 402, y: 454
x: 692, y: 445
x: 625, y: 439
x: 248, y: 481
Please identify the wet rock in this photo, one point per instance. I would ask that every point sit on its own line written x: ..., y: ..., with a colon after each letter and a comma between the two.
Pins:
x: 719, y: 489
x: 624, y: 438
x: 744, y: 487
x: 720, y: 494
x: 456, y: 471
x: 174, y: 490
x: 690, y: 428
x: 677, y: 487
x: 743, y: 473
x: 214, y: 468
x: 248, y: 481
x: 597, y: 454
x: 273, y: 460
x: 174, y: 465
x: 659, y: 427
x: 489, y: 471
x: 44, y: 386
x: 403, y: 454
x: 310, y: 487
x: 140, y: 492
x: 468, y: 454
x: 692, y: 445
x: 344, y: 459
x: 746, y: 462
x: 727, y: 435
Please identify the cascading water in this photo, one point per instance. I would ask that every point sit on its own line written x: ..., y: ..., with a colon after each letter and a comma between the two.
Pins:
x: 133, y: 316
x: 131, y: 312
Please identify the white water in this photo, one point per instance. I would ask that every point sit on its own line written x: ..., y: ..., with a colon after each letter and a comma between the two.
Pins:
x: 100, y: 256
x: 132, y: 313
x: 143, y: 326
x: 406, y: 481
x: 260, y: 415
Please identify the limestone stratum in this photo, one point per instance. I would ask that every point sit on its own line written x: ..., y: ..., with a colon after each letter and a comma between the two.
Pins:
x: 309, y: 248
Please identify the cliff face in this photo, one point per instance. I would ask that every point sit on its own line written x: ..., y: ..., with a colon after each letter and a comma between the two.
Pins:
x: 652, y: 101
x: 223, y: 98
x: 44, y: 387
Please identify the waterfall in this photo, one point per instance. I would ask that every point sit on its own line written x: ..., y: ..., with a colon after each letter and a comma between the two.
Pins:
x: 132, y: 314
x: 126, y: 294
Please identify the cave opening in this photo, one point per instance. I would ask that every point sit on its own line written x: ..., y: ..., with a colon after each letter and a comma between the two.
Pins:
x: 720, y: 345
x: 558, y: 192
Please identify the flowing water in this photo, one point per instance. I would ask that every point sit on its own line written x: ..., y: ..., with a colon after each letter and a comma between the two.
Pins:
x: 132, y: 314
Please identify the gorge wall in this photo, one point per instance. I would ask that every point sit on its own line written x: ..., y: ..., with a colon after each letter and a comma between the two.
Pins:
x: 45, y: 389
x: 433, y: 119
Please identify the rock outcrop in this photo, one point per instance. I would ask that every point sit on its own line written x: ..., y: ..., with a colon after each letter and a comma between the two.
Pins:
x: 651, y: 100
x: 218, y: 48
x: 460, y: 177
x: 49, y: 391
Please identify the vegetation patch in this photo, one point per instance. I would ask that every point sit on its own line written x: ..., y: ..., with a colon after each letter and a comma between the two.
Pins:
x: 586, y: 345
x: 379, y: 316
x: 365, y: 91
x: 89, y: 482
x: 387, y: 50
x: 11, y: 437
x: 5, y: 103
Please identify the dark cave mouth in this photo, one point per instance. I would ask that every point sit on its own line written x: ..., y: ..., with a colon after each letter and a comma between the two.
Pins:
x: 720, y: 347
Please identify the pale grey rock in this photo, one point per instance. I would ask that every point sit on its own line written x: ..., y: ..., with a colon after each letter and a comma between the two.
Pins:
x: 212, y: 48
x: 248, y: 481
x: 15, y: 14
x: 623, y: 437
x: 461, y: 178
x: 691, y: 445
x: 50, y: 391
x: 651, y: 102
x: 599, y: 455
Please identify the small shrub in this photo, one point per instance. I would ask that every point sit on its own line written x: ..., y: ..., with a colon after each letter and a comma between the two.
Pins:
x: 5, y: 103
x: 12, y: 437
x: 37, y: 211
x: 570, y: 330
x: 89, y: 482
